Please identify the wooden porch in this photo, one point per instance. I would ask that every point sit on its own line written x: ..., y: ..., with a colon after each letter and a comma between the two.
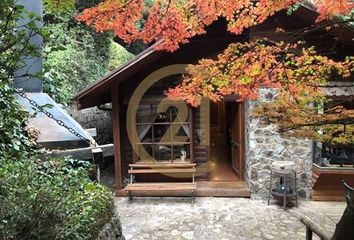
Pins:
x: 204, y: 189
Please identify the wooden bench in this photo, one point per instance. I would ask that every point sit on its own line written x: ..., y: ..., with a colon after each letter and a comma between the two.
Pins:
x: 170, y: 169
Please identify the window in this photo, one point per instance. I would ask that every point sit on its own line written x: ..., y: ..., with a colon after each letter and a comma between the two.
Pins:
x: 163, y: 135
x: 337, y: 155
x: 329, y: 155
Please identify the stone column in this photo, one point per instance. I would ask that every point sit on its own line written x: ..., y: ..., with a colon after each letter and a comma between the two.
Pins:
x: 265, y: 145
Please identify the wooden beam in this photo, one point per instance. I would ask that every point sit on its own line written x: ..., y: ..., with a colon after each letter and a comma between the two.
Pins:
x: 116, y: 136
x: 163, y: 170
x: 83, y: 153
x: 162, y: 165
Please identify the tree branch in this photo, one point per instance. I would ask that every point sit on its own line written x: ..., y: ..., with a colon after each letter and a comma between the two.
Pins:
x: 342, y: 121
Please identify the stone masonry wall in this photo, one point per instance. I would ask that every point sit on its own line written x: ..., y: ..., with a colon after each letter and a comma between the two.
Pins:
x: 264, y: 145
x: 95, y: 118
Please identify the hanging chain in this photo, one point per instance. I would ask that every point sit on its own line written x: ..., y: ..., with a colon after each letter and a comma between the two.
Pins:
x: 50, y: 115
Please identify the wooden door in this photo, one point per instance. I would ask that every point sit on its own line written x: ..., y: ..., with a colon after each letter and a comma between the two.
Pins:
x: 237, y: 139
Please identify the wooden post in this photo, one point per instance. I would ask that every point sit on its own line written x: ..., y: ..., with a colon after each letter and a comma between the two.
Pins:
x: 308, y: 234
x: 191, y: 134
x: 116, y: 136
x: 242, y: 136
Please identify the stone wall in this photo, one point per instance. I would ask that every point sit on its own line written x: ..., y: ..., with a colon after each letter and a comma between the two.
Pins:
x: 95, y: 118
x: 264, y: 145
x: 112, y: 230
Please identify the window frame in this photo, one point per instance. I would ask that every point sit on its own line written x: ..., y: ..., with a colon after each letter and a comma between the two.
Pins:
x: 153, y: 143
x: 322, y: 156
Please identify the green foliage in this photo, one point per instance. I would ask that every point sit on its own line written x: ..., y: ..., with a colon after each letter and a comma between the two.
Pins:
x: 14, y: 43
x: 14, y: 141
x: 58, y: 5
x: 82, y: 4
x: 75, y: 56
x: 51, y: 199
x: 118, y: 55
x: 293, y: 8
x: 349, y: 19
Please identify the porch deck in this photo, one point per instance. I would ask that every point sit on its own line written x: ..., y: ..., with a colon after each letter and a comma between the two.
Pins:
x: 223, y: 189
x: 204, y: 189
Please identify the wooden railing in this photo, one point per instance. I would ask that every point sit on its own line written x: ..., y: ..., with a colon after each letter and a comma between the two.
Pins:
x: 312, y: 227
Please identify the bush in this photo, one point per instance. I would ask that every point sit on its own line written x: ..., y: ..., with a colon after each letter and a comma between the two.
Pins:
x: 51, y: 199
x: 75, y: 55
x: 118, y: 56
x: 14, y: 44
x: 14, y: 140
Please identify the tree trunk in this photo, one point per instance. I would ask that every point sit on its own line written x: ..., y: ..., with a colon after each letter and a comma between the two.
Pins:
x: 345, y: 227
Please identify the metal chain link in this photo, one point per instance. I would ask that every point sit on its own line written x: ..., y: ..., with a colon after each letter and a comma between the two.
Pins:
x: 50, y: 115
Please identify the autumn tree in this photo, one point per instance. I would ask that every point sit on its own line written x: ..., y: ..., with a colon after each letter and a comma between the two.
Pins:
x: 177, y: 21
x: 299, y: 74
x: 294, y: 68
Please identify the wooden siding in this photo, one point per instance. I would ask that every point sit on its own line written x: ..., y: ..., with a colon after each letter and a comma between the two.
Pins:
x: 200, y: 47
x: 201, y: 150
x: 200, y: 153
x: 127, y: 150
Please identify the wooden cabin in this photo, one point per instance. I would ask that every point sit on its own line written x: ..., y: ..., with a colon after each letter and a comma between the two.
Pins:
x: 149, y: 130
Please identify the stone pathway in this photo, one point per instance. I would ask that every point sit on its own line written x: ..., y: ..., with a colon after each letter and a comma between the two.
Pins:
x: 219, y: 218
